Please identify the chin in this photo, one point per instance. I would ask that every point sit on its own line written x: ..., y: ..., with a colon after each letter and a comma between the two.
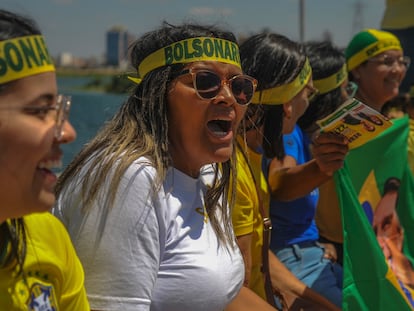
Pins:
x: 45, y: 202
x: 223, y: 154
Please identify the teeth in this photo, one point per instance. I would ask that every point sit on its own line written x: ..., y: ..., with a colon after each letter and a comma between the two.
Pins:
x: 51, y: 164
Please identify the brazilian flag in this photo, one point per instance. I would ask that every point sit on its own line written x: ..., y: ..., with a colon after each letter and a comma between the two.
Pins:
x: 369, y: 281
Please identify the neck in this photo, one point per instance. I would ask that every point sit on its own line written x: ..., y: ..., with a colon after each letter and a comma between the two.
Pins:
x: 370, y: 101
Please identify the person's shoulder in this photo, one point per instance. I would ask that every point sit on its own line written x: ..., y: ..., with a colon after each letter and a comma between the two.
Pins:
x: 140, y: 170
x: 40, y: 219
x: 45, y: 227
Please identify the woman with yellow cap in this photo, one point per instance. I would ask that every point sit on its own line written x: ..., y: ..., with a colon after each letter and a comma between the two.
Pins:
x: 376, y: 63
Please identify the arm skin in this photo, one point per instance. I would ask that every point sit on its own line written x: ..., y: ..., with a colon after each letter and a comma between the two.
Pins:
x: 288, y: 283
x: 245, y: 242
x: 281, y: 278
x: 288, y: 181
x: 246, y: 299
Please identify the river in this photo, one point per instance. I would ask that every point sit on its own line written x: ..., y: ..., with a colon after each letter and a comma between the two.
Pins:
x: 88, y: 113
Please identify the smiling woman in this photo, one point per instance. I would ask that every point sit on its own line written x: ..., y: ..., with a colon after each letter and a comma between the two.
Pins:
x: 146, y: 200
x: 33, y: 125
x: 376, y: 63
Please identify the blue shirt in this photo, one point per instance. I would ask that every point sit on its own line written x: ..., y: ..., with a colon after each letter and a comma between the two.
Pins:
x: 294, y: 221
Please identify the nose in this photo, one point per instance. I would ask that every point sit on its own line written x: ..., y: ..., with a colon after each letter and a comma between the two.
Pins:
x: 68, y: 133
x: 398, y: 65
x: 226, y: 94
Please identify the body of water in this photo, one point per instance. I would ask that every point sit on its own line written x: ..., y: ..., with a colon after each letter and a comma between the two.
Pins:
x: 89, y: 112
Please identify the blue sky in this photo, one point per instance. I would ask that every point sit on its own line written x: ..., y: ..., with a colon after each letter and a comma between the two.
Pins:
x: 79, y: 26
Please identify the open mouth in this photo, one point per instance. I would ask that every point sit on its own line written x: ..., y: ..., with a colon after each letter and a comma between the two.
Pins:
x: 50, y: 166
x: 220, y: 128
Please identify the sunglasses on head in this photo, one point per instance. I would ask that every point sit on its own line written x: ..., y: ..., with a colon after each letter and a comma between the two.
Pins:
x: 208, y: 85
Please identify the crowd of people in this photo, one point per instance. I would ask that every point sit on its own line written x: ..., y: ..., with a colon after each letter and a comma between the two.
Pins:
x: 210, y: 189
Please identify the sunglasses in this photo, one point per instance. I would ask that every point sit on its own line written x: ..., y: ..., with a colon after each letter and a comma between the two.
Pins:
x: 208, y: 85
x: 389, y: 61
x: 62, y: 113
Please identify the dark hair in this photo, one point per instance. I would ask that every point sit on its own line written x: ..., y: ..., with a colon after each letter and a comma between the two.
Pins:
x: 325, y: 60
x: 400, y: 103
x: 391, y: 184
x: 140, y: 129
x: 13, y: 231
x: 273, y: 60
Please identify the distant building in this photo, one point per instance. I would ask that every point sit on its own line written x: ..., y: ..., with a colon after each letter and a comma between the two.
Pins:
x: 65, y: 59
x: 117, y: 42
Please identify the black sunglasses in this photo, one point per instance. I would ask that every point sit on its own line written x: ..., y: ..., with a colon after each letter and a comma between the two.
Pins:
x: 208, y: 85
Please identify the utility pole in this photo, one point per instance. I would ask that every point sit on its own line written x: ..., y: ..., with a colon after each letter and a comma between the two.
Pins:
x: 358, y: 22
x: 301, y: 21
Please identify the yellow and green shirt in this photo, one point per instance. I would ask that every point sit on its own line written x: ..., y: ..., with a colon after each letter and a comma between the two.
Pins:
x: 52, y: 277
x: 246, y: 215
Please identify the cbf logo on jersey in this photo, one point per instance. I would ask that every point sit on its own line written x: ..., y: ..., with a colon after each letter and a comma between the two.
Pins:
x: 42, y: 298
x: 22, y: 57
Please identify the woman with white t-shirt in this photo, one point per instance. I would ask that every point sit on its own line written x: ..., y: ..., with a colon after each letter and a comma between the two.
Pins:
x: 143, y: 201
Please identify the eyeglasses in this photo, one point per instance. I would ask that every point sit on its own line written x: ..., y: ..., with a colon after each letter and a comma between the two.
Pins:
x: 389, y: 61
x: 58, y: 112
x: 351, y: 88
x: 312, y: 92
x: 63, y: 104
x: 208, y: 85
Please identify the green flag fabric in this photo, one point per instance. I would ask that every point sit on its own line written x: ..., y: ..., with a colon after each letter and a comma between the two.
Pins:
x: 371, y: 171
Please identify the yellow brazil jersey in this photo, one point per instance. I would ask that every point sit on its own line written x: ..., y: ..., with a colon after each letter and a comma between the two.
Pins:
x: 411, y: 146
x: 246, y: 215
x: 52, y: 277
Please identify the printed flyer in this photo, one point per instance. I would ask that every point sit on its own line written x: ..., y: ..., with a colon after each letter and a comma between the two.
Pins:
x: 356, y: 121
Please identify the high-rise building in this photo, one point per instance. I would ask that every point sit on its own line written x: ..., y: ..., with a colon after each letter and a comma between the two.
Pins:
x: 117, y: 42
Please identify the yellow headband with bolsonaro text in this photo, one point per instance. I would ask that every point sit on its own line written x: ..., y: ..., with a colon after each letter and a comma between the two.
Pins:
x: 330, y: 83
x: 282, y: 94
x: 24, y: 56
x: 188, y: 51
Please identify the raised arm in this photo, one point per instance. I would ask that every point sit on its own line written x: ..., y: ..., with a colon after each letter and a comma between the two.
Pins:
x: 288, y: 181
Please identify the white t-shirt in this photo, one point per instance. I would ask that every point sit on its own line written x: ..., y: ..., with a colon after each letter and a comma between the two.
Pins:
x: 158, y: 251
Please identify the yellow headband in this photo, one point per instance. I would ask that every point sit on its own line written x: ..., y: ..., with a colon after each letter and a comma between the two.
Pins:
x: 188, y: 51
x: 330, y: 83
x: 22, y: 57
x: 284, y: 93
x: 373, y: 50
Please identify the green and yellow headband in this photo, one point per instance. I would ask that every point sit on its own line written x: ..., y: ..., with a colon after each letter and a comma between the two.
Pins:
x: 284, y: 93
x: 369, y: 43
x: 330, y: 83
x: 22, y: 57
x: 188, y: 51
